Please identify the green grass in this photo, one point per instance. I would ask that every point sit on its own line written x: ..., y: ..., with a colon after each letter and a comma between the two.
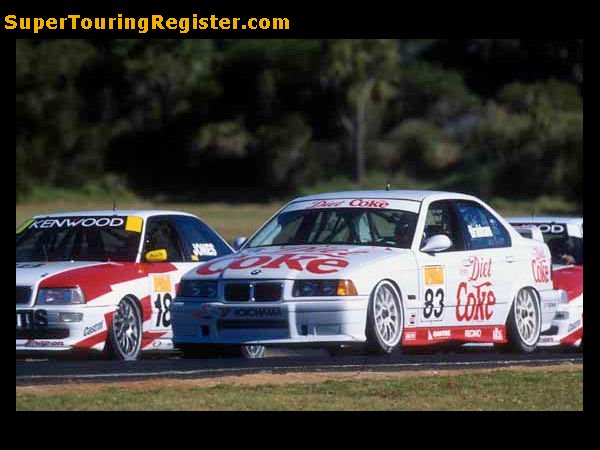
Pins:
x: 499, y: 390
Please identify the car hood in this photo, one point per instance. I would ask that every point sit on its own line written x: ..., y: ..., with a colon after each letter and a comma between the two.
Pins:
x: 31, y: 273
x: 295, y: 262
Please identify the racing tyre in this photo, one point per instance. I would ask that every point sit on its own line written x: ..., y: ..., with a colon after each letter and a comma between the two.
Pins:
x: 385, y: 319
x: 524, y: 323
x: 125, y: 334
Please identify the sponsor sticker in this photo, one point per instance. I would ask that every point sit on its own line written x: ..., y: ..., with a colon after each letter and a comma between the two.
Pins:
x: 162, y: 283
x: 73, y: 222
x: 134, y: 223
x: 410, y: 335
x: 204, y: 249
x: 472, y: 334
x: 497, y: 335
x: 438, y: 334
x: 93, y: 329
x: 37, y: 343
x: 433, y: 275
x: 477, y: 231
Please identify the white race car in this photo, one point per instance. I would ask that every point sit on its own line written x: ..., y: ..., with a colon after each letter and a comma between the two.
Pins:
x: 385, y: 268
x: 564, y: 236
x: 105, y: 280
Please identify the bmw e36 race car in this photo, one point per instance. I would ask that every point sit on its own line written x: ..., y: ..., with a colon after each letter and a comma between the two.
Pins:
x: 564, y: 237
x: 381, y: 268
x: 105, y: 280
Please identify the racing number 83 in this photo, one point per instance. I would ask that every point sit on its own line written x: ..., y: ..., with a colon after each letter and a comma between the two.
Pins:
x: 163, y: 305
x: 430, y: 309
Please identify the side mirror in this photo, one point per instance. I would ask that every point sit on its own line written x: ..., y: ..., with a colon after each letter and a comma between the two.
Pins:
x: 238, y: 242
x: 157, y: 256
x: 437, y: 243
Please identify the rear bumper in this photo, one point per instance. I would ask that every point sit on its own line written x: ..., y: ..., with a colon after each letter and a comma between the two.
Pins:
x: 310, y: 322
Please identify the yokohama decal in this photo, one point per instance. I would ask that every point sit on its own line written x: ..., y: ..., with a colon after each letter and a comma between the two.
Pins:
x: 424, y: 336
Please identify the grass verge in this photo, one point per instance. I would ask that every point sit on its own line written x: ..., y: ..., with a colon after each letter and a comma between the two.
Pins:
x: 549, y: 388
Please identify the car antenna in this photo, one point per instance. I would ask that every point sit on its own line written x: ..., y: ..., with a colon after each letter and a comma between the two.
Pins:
x: 114, y: 206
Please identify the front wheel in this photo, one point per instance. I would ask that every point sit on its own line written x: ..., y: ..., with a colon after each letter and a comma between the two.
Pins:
x: 385, y: 319
x: 524, y: 323
x: 125, y: 335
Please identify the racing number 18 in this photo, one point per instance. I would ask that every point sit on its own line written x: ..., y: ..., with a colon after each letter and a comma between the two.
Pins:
x: 163, y: 305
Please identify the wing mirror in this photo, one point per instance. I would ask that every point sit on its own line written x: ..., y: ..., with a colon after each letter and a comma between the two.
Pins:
x: 156, y: 256
x: 437, y: 243
x: 238, y: 242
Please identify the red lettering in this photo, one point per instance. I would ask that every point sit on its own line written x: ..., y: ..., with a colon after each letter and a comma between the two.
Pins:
x: 291, y: 261
x: 316, y: 266
x: 541, y: 270
x: 207, y: 269
x: 243, y: 263
x: 480, y: 268
x: 478, y: 304
x: 369, y: 203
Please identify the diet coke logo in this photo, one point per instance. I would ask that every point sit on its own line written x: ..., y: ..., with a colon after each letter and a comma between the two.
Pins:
x: 540, y: 267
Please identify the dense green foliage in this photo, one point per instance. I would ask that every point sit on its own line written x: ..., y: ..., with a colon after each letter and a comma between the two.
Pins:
x: 263, y: 119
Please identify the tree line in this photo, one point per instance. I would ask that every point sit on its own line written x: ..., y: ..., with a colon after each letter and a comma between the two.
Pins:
x: 261, y: 119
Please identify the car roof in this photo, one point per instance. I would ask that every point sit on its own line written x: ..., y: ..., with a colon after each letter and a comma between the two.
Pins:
x: 546, y: 219
x: 143, y: 213
x: 394, y: 194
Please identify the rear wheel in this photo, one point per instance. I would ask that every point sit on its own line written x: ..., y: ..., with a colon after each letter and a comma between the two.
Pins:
x: 249, y: 351
x: 125, y: 335
x: 524, y: 322
x: 385, y: 320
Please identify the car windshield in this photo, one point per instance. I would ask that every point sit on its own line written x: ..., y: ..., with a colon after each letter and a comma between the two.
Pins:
x: 342, y: 226
x: 71, y: 238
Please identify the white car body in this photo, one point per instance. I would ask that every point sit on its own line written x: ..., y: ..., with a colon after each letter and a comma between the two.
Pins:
x: 152, y: 285
x: 458, y: 296
x: 567, y: 324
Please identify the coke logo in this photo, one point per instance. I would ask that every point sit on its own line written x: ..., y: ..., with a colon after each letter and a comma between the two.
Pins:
x: 541, y: 270
x: 369, y: 203
x: 480, y: 268
x: 475, y: 302
x: 312, y: 263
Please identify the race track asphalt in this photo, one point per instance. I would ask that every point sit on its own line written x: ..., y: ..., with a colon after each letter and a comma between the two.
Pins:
x: 40, y: 371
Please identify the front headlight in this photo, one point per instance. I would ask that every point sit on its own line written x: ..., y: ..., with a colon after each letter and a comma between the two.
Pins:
x: 60, y: 296
x: 324, y: 288
x: 198, y: 288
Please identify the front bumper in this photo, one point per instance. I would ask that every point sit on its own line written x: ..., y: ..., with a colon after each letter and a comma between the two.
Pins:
x: 287, y: 322
x: 62, y: 328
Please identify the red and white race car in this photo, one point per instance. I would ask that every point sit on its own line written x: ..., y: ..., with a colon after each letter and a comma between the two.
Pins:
x: 105, y: 280
x: 385, y: 268
x: 564, y: 237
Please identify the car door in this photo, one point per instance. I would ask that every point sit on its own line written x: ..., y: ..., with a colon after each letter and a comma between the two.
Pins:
x: 163, y: 277
x: 439, y: 273
x: 488, y: 267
